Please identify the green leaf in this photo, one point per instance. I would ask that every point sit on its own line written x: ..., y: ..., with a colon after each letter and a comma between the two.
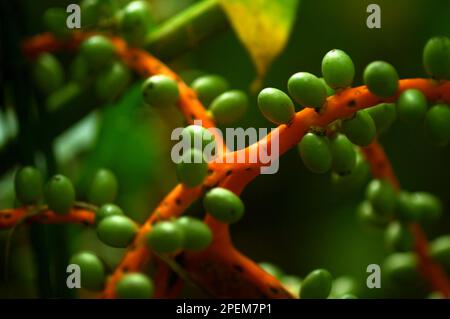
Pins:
x: 263, y: 26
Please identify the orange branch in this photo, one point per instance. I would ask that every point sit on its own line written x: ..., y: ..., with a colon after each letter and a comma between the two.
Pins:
x: 431, y: 271
x: 10, y: 217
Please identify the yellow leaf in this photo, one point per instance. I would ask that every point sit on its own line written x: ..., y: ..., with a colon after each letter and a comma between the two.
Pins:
x: 263, y: 26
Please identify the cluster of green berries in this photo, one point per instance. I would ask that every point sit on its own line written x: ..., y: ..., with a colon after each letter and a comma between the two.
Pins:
x: 59, y: 193
x: 133, y: 285
x: 318, y: 284
x: 95, y: 66
x: 393, y: 211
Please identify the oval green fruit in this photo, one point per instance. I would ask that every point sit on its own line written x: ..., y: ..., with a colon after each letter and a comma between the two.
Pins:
x: 343, y: 153
x: 437, y: 124
x: 383, y: 115
x: 224, y: 205
x: 411, y: 106
x: 116, y: 231
x: 436, y: 57
x: 166, y: 237
x: 315, y: 152
x: 307, y: 89
x: 197, y: 235
x: 104, y: 187
x: 135, y: 286
x: 229, y: 106
x: 59, y: 194
x: 276, y: 106
x: 360, y: 129
x: 192, y: 168
x: 381, y: 78
x: 209, y: 87
x: 28, y: 184
x: 316, y: 285
x: 48, y: 73
x: 338, y: 69
x: 160, y: 91
x: 91, y: 268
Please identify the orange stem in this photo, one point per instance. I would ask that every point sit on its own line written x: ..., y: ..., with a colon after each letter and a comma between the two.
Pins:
x: 11, y: 217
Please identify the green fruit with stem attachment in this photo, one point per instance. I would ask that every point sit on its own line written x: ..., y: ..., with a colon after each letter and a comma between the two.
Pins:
x: 166, y: 237
x: 224, y: 205
x: 192, y: 168
x: 59, y: 194
x: 316, y: 285
x: 315, y: 152
x: 160, y: 91
x: 197, y: 235
x: 135, y: 22
x: 209, y: 87
x: 48, y: 73
x: 116, y: 231
x: 343, y: 153
x: 411, y: 106
x: 436, y: 57
x: 276, y: 106
x: 383, y: 115
x: 91, y: 268
x: 98, y: 51
x: 28, y: 184
x: 104, y: 187
x: 135, y: 286
x: 229, y: 107
x: 360, y: 129
x: 307, y: 90
x: 338, y: 69
x: 437, y: 124
x: 381, y: 78
x: 107, y: 210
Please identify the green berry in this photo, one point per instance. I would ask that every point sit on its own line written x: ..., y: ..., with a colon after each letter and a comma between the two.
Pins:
x: 398, y: 237
x: 367, y: 215
x: 48, y: 73
x: 93, y: 11
x: 28, y: 184
x: 107, y: 210
x: 79, y: 70
x: 338, y: 69
x: 192, y: 169
x: 229, y: 107
x: 317, y: 285
x: 224, y: 205
x: 276, y: 106
x: 59, y: 194
x: 116, y: 231
x: 55, y: 21
x: 135, y: 22
x: 209, y: 87
x: 440, y: 250
x: 98, y: 51
x: 436, y: 57
x: 271, y: 269
x: 411, y: 106
x: 91, y: 268
x: 104, y: 187
x: 344, y: 286
x: 381, y: 78
x: 358, y: 176
x: 307, y: 90
x: 135, y: 286
x: 383, y: 115
x: 428, y: 206
x: 197, y: 235
x: 292, y: 284
x: 405, y: 209
x: 343, y: 153
x: 112, y: 81
x: 315, y: 152
x: 437, y: 124
x: 401, y: 268
x: 198, y: 136
x: 160, y: 91
x: 360, y: 129
x: 382, y: 196
x: 166, y: 237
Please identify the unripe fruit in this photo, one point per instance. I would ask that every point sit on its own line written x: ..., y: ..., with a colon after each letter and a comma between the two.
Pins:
x: 317, y: 285
x: 437, y: 124
x: 276, y: 106
x: 192, y: 169
x: 440, y: 250
x: 428, y: 206
x: 135, y: 22
x: 116, y: 231
x: 59, y: 194
x: 112, y: 81
x: 344, y: 286
x: 398, y: 237
x: 91, y: 268
x: 48, y: 73
x: 165, y: 237
x: 382, y: 196
x: 329, y: 90
x: 307, y: 90
x: 360, y: 129
x: 405, y: 209
x: 229, y: 107
x: 271, y: 269
x: 401, y: 268
x: 338, y: 69
x: 98, y: 51
x: 160, y: 91
x: 367, y: 215
x: 315, y: 152
x: 292, y: 284
x: 107, y: 210
x: 383, y: 115
x: 224, y: 205
x: 381, y: 78
x: 55, y: 21
x: 198, y: 137
x: 28, y: 184
x: 197, y: 235
x: 135, y: 286
x: 209, y: 87
x: 411, y: 106
x: 103, y: 188
x: 436, y: 57
x: 359, y: 175
x: 343, y: 154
